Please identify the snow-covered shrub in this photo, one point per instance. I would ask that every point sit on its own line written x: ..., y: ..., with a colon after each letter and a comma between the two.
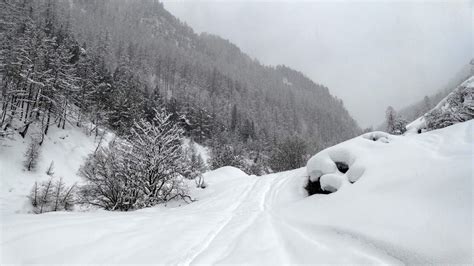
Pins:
x: 51, y: 196
x: 226, y: 155
x: 255, y: 168
x: 156, y: 159
x: 289, y: 154
x: 31, y: 155
x: 107, y: 180
x: 144, y: 170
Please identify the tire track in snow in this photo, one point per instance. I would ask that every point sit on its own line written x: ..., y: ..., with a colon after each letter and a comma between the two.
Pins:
x: 200, y: 248
x: 246, y: 216
x: 355, y: 247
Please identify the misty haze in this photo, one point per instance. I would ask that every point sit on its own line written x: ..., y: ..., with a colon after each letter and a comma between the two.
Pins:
x: 236, y: 132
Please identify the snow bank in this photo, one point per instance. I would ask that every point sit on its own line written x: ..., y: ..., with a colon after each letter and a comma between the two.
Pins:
x: 410, y: 196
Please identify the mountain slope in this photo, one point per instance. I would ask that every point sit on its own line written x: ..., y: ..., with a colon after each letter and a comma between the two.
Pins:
x: 457, y: 106
x: 419, y: 108
x: 208, y: 73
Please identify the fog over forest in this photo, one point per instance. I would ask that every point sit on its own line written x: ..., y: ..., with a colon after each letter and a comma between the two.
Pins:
x: 391, y: 52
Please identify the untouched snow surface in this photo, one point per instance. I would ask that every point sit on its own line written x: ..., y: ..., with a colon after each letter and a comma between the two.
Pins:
x: 410, y: 203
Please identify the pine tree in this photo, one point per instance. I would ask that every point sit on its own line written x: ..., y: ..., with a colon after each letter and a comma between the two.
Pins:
x: 31, y: 155
x: 196, y: 166
x: 288, y: 155
x: 225, y: 154
x: 395, y: 124
x: 234, y: 119
x: 50, y: 170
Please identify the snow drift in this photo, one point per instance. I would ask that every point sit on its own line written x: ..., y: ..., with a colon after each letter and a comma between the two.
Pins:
x: 410, y: 196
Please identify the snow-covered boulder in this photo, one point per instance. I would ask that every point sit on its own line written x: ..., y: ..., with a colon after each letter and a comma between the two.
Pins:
x: 345, y: 163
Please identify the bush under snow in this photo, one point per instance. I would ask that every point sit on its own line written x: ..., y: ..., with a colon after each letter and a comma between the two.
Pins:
x: 144, y: 170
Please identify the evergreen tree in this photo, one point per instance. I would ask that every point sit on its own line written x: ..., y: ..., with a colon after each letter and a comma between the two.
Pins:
x: 290, y: 154
x: 225, y: 154
x: 32, y: 155
x: 395, y: 124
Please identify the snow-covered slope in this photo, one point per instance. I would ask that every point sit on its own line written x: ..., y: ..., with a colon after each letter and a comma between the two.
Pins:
x: 66, y: 148
x: 411, y: 203
x: 457, y: 107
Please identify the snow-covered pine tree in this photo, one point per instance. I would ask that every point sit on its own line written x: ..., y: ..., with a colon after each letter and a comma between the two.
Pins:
x: 457, y: 107
x: 224, y: 154
x: 289, y: 154
x: 31, y: 155
x: 156, y: 159
x: 127, y: 101
x: 390, y: 116
x: 395, y: 124
x: 196, y: 166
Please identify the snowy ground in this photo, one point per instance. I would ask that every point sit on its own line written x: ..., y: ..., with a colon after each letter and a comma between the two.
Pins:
x: 412, y: 203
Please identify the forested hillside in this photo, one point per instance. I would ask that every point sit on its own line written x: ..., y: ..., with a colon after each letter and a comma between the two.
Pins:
x: 112, y: 62
x: 422, y: 106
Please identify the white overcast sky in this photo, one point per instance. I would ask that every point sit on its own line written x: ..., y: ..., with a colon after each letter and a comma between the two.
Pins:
x: 371, y: 54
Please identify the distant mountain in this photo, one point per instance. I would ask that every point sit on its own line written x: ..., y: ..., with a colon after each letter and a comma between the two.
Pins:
x: 209, y: 74
x: 422, y: 106
x: 419, y: 108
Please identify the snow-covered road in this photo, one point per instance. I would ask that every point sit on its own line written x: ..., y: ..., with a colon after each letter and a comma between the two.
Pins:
x: 234, y: 222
